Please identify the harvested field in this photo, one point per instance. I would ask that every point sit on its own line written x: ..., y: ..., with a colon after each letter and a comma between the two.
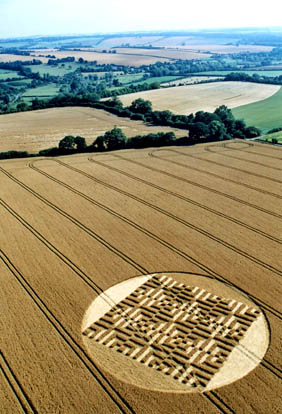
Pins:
x: 103, y: 58
x: 225, y: 49
x: 147, y: 233
x: 204, y: 97
x: 12, y: 58
x: 36, y: 130
x: 169, y: 53
x: 190, y: 80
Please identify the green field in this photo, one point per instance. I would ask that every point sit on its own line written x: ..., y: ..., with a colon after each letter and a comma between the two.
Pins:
x: 42, y: 91
x: 270, y: 137
x: 160, y: 79
x: 271, y: 73
x: 265, y: 114
x: 20, y: 83
x: 59, y: 70
x: 5, y: 74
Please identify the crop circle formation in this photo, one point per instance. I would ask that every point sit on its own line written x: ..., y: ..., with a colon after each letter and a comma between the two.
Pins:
x: 175, y: 332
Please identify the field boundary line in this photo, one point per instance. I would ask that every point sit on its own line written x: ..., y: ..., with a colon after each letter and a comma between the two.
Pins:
x: 15, y: 386
x: 217, y: 176
x: 194, y: 261
x: 196, y: 228
x: 68, y: 339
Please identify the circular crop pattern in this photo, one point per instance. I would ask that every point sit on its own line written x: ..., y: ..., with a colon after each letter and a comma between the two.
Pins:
x: 175, y: 332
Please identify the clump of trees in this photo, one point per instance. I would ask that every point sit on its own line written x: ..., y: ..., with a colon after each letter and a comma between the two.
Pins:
x: 114, y: 139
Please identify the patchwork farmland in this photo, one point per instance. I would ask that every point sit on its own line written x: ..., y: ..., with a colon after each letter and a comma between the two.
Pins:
x: 204, y: 222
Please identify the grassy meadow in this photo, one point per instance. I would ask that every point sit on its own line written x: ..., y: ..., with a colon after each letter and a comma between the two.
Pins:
x: 265, y: 114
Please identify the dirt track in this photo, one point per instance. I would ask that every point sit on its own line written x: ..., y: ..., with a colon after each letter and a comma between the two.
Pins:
x: 74, y: 226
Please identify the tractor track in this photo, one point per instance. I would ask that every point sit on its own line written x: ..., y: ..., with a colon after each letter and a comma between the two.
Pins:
x: 265, y: 363
x: 89, y: 231
x: 186, y: 199
x: 257, y: 153
x: 15, y: 385
x: 223, y: 153
x: 229, y: 167
x: 215, y: 400
x: 68, y: 339
x: 217, y: 176
x: 91, y: 367
x: 120, y: 402
x: 191, y: 259
x: 190, y: 225
x: 271, y: 213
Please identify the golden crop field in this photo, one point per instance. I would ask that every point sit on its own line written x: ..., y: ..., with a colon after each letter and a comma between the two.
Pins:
x: 190, y: 80
x: 142, y: 281
x: 100, y: 57
x: 203, y: 97
x: 170, y: 53
x: 224, y: 49
x: 36, y: 130
x: 12, y: 58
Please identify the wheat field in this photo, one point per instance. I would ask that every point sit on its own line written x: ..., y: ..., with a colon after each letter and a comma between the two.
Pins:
x: 44, y: 128
x: 203, y: 97
x: 73, y: 227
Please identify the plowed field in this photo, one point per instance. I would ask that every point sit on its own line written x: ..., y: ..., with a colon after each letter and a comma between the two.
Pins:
x: 73, y: 227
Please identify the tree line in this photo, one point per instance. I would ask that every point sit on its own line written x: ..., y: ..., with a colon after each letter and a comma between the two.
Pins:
x: 201, y: 127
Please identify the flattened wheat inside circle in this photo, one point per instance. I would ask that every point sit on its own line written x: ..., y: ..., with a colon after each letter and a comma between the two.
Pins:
x: 175, y: 332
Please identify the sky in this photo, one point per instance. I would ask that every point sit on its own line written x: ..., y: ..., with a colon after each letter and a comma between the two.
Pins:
x: 49, y: 17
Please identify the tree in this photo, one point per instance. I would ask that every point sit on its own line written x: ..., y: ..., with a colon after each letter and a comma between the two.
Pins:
x: 252, y: 132
x: 115, y: 139
x: 141, y: 106
x: 198, y: 131
x: 224, y: 113
x: 99, y: 143
x: 217, y: 131
x: 80, y: 143
x: 67, y: 143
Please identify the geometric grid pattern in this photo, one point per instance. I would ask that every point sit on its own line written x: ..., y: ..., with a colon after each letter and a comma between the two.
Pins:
x: 182, y: 331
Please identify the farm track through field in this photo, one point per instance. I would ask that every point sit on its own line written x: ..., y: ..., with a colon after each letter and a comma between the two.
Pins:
x: 192, y: 260
x: 57, y: 325
x: 193, y: 183
x: 217, y: 176
x: 15, y: 385
x: 190, y: 225
x: 223, y: 153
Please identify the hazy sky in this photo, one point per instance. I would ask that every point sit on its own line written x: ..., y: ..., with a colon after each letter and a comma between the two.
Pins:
x: 41, y: 17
